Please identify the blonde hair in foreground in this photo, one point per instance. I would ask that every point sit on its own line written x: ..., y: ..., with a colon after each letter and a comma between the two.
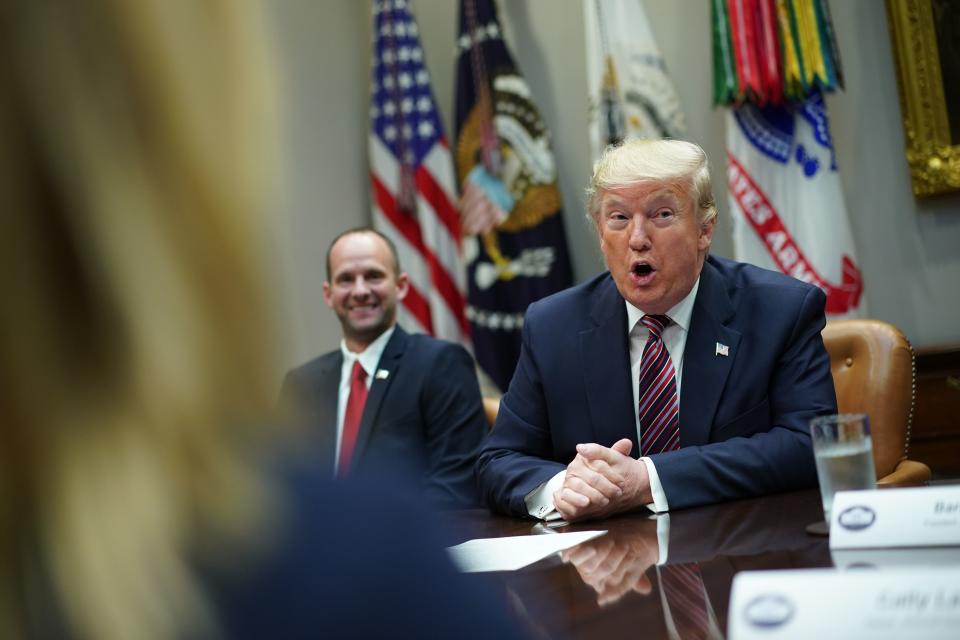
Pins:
x: 673, y: 162
x: 135, y: 341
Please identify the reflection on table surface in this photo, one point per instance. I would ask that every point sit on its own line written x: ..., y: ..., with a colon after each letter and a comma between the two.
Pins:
x: 612, y: 586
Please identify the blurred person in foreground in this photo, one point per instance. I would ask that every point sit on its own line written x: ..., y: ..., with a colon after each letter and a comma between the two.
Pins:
x: 386, y: 398
x: 143, y: 491
x: 675, y: 378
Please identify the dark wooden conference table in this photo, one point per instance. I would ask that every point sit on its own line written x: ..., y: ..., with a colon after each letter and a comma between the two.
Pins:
x: 613, y: 589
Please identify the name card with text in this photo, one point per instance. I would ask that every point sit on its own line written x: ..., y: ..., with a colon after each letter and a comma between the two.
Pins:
x: 890, y: 604
x: 913, y: 517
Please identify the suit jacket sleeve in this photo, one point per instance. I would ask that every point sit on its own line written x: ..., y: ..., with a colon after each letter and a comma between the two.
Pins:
x: 454, y: 425
x: 290, y: 394
x: 517, y: 456
x: 292, y: 405
x: 775, y: 458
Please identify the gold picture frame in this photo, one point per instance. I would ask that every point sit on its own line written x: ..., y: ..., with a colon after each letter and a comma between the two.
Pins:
x: 933, y: 141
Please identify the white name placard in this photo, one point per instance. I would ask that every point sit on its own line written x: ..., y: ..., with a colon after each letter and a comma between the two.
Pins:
x: 911, y: 517
x: 890, y: 604
x: 895, y: 557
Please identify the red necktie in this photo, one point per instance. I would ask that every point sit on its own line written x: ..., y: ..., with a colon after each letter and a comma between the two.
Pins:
x: 352, y: 416
x: 683, y: 588
x: 659, y: 410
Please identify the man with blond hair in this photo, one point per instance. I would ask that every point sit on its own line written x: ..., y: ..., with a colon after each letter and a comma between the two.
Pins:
x: 671, y: 380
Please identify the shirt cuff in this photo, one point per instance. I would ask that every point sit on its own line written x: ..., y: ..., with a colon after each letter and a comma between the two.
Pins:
x: 659, y: 504
x: 540, y: 501
x: 663, y: 536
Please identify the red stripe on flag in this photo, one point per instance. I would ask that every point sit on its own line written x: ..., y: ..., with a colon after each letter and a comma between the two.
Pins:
x: 780, y: 244
x: 419, y: 307
x: 437, y: 197
x: 415, y: 302
x: 410, y: 229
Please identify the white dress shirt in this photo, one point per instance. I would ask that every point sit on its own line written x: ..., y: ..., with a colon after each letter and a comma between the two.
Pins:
x: 369, y: 359
x: 539, y: 502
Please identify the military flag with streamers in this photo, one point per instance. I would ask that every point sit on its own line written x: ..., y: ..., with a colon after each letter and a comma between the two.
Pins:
x: 631, y: 95
x: 787, y: 201
x: 514, y: 243
x: 411, y: 170
x: 773, y: 59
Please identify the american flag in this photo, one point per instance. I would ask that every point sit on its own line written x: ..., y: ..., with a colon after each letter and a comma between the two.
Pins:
x: 412, y: 175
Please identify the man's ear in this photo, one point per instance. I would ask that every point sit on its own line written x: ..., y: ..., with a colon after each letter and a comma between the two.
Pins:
x: 327, y: 294
x: 403, y: 285
x: 706, y: 234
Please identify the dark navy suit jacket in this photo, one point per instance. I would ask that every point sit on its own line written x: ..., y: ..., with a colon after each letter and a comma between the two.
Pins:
x: 333, y: 566
x: 744, y: 417
x: 424, y: 420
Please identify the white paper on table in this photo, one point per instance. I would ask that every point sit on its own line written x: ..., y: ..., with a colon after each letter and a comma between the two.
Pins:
x: 513, y: 552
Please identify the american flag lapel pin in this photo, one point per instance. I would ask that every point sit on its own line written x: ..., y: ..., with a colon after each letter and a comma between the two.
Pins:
x: 382, y: 374
x: 722, y: 350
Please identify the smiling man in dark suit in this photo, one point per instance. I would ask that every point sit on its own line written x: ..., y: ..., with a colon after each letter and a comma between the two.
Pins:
x: 675, y: 378
x: 387, y: 399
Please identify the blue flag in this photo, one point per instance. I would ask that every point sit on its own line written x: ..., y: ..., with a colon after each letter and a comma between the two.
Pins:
x: 514, y: 243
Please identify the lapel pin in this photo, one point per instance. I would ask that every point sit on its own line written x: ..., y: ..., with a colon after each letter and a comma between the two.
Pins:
x: 722, y: 350
x: 382, y: 374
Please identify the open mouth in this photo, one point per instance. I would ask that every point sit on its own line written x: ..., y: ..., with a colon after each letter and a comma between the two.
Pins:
x: 642, y: 273
x: 642, y: 269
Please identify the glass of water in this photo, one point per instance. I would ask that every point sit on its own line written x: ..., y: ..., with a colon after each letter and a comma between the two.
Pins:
x: 844, y: 455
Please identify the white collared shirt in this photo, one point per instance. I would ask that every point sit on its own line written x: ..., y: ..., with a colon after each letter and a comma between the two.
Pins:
x: 369, y: 359
x: 539, y: 502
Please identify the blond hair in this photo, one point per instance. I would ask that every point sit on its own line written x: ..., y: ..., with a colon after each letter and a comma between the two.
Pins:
x: 135, y: 341
x: 676, y: 163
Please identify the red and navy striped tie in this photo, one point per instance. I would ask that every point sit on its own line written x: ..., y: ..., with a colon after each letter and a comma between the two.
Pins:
x: 659, y: 409
x: 682, y: 585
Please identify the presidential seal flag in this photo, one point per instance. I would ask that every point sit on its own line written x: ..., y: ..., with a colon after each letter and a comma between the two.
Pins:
x: 787, y: 202
x: 631, y: 95
x: 514, y: 244
x: 411, y: 171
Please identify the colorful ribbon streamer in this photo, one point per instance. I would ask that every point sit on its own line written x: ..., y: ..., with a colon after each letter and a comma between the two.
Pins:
x: 771, y: 51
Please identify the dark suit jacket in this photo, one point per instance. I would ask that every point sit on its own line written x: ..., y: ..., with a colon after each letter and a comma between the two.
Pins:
x: 333, y: 567
x: 425, y: 420
x: 743, y: 417
x: 325, y: 564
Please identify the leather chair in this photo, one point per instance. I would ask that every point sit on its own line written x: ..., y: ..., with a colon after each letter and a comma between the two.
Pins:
x: 491, y: 406
x: 873, y: 373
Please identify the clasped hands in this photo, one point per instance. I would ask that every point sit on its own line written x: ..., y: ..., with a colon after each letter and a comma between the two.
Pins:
x: 601, y: 481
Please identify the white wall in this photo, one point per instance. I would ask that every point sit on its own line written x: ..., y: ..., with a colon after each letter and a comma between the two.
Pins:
x: 324, y: 60
x: 909, y: 250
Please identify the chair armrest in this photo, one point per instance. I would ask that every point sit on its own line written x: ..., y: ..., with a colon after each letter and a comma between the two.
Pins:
x: 491, y: 407
x: 908, y: 472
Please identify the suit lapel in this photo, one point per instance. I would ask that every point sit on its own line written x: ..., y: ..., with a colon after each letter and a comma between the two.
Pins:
x: 389, y: 362
x: 327, y: 392
x: 605, y: 356
x: 704, y: 370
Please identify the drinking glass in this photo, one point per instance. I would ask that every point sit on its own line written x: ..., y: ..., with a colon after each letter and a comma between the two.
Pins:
x: 844, y: 455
